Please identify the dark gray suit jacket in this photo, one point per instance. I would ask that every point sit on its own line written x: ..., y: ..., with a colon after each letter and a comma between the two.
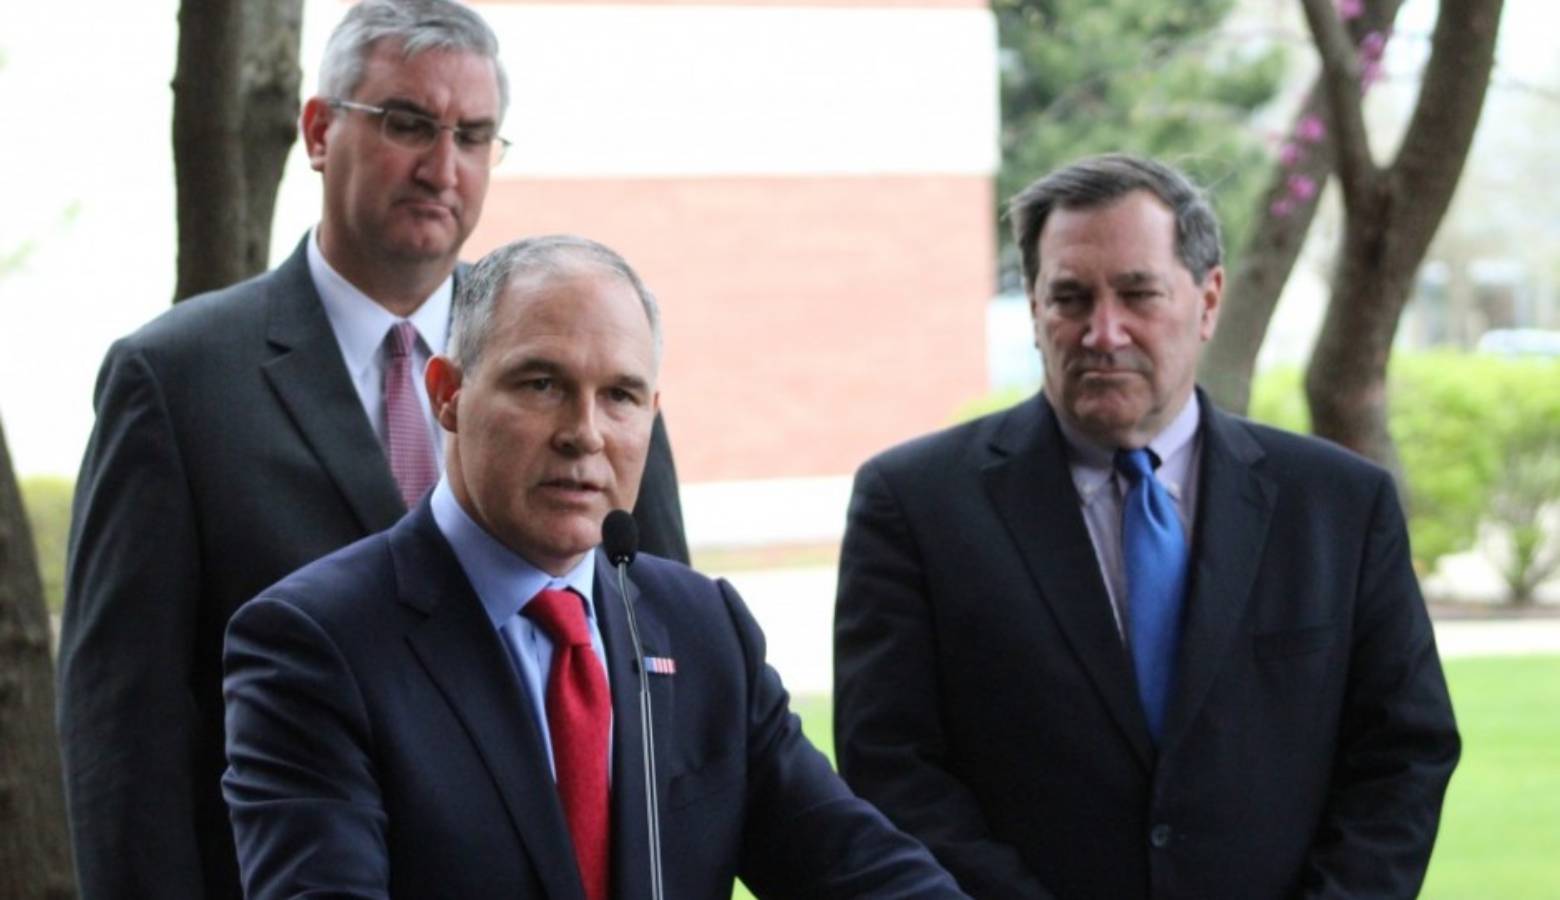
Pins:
x: 986, y: 703
x: 381, y: 744
x: 230, y: 449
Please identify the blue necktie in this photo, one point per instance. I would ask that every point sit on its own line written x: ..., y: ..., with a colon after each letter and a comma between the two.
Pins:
x: 1153, y: 549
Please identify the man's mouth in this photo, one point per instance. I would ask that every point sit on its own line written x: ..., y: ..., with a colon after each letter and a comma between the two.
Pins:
x: 571, y: 485
x: 423, y: 206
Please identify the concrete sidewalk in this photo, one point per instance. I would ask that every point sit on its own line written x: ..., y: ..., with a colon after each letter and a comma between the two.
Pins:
x: 796, y: 609
x: 795, y: 606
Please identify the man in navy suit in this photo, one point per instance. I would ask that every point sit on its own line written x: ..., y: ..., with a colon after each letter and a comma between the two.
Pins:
x: 1115, y: 643
x: 397, y: 716
x: 248, y: 431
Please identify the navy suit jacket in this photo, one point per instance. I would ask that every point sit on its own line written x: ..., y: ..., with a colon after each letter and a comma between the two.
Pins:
x: 380, y: 743
x: 230, y: 449
x: 986, y: 703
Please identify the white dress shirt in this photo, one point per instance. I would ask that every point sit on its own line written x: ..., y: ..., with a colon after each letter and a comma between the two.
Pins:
x: 360, y: 325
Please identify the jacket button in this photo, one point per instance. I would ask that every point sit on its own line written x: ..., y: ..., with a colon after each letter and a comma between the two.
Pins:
x: 1159, y: 836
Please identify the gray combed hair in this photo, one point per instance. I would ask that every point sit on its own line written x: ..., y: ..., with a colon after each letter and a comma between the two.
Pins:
x: 546, y: 257
x: 419, y: 26
x: 1100, y: 180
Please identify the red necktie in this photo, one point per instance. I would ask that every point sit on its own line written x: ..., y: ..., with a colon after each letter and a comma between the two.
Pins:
x: 579, y: 710
x: 407, y: 442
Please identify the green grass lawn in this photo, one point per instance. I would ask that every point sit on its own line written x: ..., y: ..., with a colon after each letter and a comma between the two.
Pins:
x: 1500, y: 830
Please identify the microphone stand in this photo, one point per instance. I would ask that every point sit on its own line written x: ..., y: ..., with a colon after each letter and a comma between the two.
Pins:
x: 646, y: 722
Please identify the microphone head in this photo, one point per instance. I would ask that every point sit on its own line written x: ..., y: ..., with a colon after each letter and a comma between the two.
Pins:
x: 620, y: 537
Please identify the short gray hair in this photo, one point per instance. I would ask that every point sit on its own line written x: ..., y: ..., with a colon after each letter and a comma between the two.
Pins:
x: 1099, y: 180
x: 548, y: 256
x: 418, y: 26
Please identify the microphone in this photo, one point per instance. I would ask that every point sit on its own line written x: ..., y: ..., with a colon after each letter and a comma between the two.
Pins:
x: 620, y: 540
x: 620, y: 537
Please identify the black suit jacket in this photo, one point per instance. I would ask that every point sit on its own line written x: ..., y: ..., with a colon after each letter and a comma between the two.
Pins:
x: 986, y: 703
x: 381, y: 744
x: 230, y: 449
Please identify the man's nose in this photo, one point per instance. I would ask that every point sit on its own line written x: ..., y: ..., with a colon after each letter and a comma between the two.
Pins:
x: 1105, y: 331
x: 579, y: 430
x: 439, y: 165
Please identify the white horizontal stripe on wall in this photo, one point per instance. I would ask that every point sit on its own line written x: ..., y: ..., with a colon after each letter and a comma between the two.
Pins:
x: 723, y: 90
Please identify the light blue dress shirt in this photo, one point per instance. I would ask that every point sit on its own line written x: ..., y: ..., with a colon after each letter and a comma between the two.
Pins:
x: 1101, y: 490
x: 505, y: 583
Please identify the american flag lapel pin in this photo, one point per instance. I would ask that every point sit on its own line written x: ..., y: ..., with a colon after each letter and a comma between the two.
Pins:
x: 660, y: 665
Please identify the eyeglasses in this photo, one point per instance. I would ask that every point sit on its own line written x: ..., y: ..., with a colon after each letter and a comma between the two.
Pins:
x: 418, y: 132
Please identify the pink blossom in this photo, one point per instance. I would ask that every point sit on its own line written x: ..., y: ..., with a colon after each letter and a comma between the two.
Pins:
x: 1310, y: 128
x: 1282, y: 207
x: 1370, y: 73
x: 1290, y: 153
x: 1350, y: 9
x: 1301, y: 187
x: 1372, y: 45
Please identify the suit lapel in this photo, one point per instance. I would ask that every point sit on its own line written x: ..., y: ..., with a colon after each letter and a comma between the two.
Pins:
x: 1029, y: 483
x: 465, y: 658
x: 312, y: 383
x: 1233, y: 513
x: 630, y: 841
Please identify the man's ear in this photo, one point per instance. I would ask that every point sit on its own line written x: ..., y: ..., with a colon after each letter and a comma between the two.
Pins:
x: 442, y: 379
x: 313, y: 123
x: 1211, y: 293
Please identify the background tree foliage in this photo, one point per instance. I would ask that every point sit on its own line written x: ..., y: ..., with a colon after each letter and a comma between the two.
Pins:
x: 1141, y: 76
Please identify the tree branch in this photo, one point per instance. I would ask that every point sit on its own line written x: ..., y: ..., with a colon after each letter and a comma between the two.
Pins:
x: 1440, y: 133
x: 1356, y: 170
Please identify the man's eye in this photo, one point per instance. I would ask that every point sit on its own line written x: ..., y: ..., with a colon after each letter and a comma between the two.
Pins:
x: 537, y: 385
x: 409, y: 125
x: 623, y: 395
x: 474, y: 138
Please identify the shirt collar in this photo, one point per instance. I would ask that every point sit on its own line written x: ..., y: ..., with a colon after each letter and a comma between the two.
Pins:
x: 1092, y: 465
x: 504, y: 582
x: 360, y: 322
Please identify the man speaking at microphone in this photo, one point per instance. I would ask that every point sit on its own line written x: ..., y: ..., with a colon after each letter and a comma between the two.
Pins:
x: 450, y: 708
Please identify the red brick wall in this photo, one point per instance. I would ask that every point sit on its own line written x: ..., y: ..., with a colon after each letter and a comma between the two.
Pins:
x: 810, y: 320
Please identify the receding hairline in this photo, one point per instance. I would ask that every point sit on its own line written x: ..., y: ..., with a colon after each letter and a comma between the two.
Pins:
x: 568, y: 264
x: 572, y: 264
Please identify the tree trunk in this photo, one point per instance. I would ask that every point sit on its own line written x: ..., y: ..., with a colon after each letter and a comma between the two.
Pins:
x: 1277, y: 236
x: 34, y: 839
x: 1265, y: 263
x: 208, y: 156
x: 272, y: 32
x: 1346, y: 381
x: 1391, y: 214
x: 235, y: 115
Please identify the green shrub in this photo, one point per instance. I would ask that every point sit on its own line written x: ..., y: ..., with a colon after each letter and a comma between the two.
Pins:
x: 47, y: 500
x: 1470, y: 429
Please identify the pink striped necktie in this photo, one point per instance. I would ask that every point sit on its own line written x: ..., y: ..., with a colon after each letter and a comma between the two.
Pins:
x: 407, y: 441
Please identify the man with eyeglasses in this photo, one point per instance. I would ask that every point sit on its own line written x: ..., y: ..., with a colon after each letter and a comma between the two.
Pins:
x: 247, y: 432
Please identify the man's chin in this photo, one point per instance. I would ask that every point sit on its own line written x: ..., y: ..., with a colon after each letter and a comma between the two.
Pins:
x: 1108, y: 422
x: 426, y: 242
